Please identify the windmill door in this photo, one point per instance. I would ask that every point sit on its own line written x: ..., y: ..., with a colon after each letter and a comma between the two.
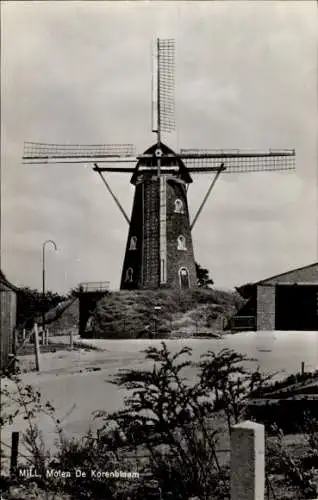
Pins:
x: 184, y: 278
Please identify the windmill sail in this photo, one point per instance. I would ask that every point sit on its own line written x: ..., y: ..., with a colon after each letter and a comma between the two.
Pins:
x: 238, y: 161
x: 163, y: 86
x: 41, y: 151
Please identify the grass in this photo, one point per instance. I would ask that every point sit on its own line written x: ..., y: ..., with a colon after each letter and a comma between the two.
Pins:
x: 64, y: 319
x: 291, y: 384
x: 132, y: 314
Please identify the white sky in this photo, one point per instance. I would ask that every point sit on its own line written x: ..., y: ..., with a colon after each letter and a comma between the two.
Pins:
x: 80, y: 72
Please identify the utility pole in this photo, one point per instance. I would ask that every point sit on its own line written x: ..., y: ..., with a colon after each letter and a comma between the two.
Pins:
x: 43, y: 276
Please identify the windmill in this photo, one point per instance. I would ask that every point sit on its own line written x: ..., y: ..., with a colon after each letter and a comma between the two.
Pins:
x: 159, y: 249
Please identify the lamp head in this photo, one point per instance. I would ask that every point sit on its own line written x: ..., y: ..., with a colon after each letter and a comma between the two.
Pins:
x: 52, y: 243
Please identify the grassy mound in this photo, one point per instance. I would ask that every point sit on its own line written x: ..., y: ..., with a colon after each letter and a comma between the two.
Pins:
x: 132, y: 314
x: 64, y: 318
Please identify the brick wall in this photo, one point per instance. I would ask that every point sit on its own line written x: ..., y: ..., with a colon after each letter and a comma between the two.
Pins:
x: 133, y: 258
x: 151, y: 267
x: 178, y: 224
x: 145, y: 224
x: 265, y: 307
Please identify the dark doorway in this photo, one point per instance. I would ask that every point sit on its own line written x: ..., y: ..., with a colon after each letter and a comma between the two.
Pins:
x: 184, y: 278
x: 296, y: 307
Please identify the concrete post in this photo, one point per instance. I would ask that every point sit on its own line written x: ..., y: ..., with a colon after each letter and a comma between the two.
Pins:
x: 247, y: 461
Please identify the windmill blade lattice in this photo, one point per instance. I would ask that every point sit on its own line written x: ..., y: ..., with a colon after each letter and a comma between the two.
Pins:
x: 164, y: 82
x: 238, y: 161
x: 42, y: 151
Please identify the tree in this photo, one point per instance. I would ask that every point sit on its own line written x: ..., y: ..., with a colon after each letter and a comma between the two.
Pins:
x: 203, y: 277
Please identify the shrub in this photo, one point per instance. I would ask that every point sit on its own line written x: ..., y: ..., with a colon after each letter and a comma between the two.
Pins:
x: 176, y: 425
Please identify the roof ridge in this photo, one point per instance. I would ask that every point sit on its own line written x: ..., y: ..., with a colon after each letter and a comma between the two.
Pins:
x: 286, y: 272
x: 6, y: 282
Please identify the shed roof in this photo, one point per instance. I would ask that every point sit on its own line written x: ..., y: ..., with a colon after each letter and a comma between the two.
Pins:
x: 300, y: 274
x: 306, y: 274
x: 6, y: 284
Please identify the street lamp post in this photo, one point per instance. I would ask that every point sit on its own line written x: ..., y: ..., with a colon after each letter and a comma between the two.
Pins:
x: 43, y: 274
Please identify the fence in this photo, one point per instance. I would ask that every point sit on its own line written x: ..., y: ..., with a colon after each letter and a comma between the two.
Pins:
x: 94, y: 286
x: 242, y: 323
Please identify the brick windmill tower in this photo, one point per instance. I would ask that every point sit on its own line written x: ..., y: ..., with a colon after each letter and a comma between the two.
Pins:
x: 159, y: 249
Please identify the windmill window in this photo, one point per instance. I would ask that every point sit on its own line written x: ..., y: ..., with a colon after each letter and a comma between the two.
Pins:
x: 133, y: 243
x: 129, y: 275
x: 178, y: 206
x: 181, y: 243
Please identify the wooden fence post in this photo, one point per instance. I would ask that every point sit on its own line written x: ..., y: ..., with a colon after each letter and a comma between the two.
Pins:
x: 36, y: 348
x: 14, y: 347
x: 46, y: 336
x: 14, y: 452
x: 43, y: 333
x: 302, y: 367
x: 71, y: 339
x: 247, y: 461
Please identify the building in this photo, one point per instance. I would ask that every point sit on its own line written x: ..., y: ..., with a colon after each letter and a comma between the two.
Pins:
x: 8, y: 307
x: 159, y: 250
x: 287, y: 301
